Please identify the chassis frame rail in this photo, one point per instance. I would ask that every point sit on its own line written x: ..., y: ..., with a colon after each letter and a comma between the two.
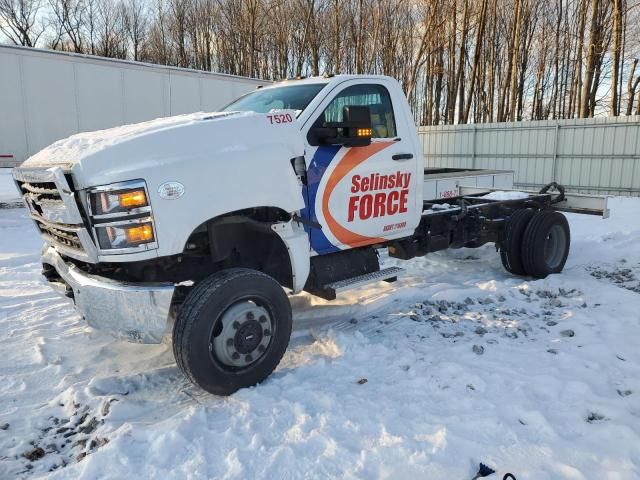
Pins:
x: 471, y: 219
x: 571, y: 202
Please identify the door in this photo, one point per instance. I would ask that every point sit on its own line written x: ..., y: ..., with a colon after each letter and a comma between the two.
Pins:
x: 361, y: 195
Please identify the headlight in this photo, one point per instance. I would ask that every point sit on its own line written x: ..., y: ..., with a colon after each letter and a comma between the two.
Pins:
x: 127, y: 235
x: 120, y: 215
x: 113, y: 200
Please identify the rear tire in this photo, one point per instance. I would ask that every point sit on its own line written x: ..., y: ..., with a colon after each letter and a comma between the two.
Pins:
x: 511, y: 249
x: 232, y: 330
x: 545, y: 244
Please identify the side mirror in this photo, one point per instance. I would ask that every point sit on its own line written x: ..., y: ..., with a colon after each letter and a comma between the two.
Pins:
x: 356, y: 126
x: 354, y: 131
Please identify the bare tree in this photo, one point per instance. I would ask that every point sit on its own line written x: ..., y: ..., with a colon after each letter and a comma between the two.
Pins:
x: 69, y: 17
x: 136, y: 23
x: 616, y: 55
x: 457, y: 60
x: 19, y: 21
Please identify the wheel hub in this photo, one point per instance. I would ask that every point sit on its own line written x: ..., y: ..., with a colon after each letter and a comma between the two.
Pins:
x: 248, y: 337
x: 244, y: 336
x: 555, y: 246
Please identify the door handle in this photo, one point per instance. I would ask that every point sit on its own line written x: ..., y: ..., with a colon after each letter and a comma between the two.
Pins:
x: 402, y: 156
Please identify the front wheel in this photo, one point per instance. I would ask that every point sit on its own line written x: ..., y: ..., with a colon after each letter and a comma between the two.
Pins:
x: 232, y: 330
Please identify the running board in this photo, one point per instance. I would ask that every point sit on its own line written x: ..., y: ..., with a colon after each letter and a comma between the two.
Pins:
x: 387, y: 275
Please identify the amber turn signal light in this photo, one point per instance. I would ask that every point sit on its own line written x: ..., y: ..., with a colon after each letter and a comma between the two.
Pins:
x: 139, y: 234
x: 132, y: 199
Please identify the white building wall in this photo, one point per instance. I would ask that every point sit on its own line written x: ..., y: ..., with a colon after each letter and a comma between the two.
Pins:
x: 596, y: 155
x: 46, y: 96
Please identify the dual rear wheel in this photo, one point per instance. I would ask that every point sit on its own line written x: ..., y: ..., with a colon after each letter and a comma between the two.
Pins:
x: 535, y: 243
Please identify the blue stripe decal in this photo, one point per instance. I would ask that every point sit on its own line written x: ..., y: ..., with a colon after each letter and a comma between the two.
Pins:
x: 321, y: 160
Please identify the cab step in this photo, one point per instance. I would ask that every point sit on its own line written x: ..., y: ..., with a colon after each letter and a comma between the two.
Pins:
x: 386, y: 274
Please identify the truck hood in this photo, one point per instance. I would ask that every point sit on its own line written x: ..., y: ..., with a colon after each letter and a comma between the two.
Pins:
x: 72, y: 150
x: 133, y: 151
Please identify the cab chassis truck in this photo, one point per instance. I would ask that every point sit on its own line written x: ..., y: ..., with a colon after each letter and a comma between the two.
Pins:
x: 194, y: 227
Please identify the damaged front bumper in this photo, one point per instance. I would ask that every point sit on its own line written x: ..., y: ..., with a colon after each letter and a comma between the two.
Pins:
x: 136, y: 312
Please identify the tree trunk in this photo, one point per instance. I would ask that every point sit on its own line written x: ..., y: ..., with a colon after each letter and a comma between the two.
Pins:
x: 492, y: 62
x: 476, y: 60
x: 459, y: 87
x: 615, y: 69
x: 556, y: 66
x: 336, y: 40
x: 631, y: 87
x: 514, y: 61
x: 439, y: 75
x: 574, y: 98
x: 585, y: 104
x: 451, y: 78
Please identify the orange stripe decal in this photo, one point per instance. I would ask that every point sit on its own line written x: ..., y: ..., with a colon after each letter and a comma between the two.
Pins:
x: 351, y: 160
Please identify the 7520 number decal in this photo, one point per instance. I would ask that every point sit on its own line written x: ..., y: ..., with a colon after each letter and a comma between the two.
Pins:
x: 280, y: 118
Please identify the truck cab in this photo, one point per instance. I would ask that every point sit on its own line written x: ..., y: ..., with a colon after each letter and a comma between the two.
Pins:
x: 195, y: 228
x: 359, y: 193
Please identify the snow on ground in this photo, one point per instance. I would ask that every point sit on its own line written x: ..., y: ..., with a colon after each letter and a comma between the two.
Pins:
x: 463, y: 364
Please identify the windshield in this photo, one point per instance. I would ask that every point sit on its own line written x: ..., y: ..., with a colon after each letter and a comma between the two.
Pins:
x: 294, y: 97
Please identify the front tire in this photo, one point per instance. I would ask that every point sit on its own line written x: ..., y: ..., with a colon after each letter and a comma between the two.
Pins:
x: 232, y: 330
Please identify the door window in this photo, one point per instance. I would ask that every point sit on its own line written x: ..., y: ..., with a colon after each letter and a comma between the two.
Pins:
x: 376, y: 97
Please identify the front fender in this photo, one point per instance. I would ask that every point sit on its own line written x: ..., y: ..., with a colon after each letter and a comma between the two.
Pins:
x: 268, y: 181
x: 226, y: 165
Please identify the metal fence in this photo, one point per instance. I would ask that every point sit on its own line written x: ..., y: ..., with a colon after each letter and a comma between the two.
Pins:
x: 596, y: 155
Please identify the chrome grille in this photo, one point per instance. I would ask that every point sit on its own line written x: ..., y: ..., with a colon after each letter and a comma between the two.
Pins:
x: 68, y: 238
x: 54, y: 208
x: 43, y: 200
x: 43, y: 188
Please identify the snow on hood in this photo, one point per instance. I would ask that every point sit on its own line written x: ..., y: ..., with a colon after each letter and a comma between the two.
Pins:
x: 76, y: 147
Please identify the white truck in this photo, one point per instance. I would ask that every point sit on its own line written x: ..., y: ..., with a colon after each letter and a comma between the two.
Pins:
x: 195, y: 227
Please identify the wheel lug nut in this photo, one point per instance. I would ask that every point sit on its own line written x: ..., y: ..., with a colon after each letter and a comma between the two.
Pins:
x: 229, y: 342
x: 261, y: 348
x: 267, y: 333
x: 236, y: 325
x: 250, y: 316
x: 248, y: 358
x: 263, y: 319
x: 235, y: 355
